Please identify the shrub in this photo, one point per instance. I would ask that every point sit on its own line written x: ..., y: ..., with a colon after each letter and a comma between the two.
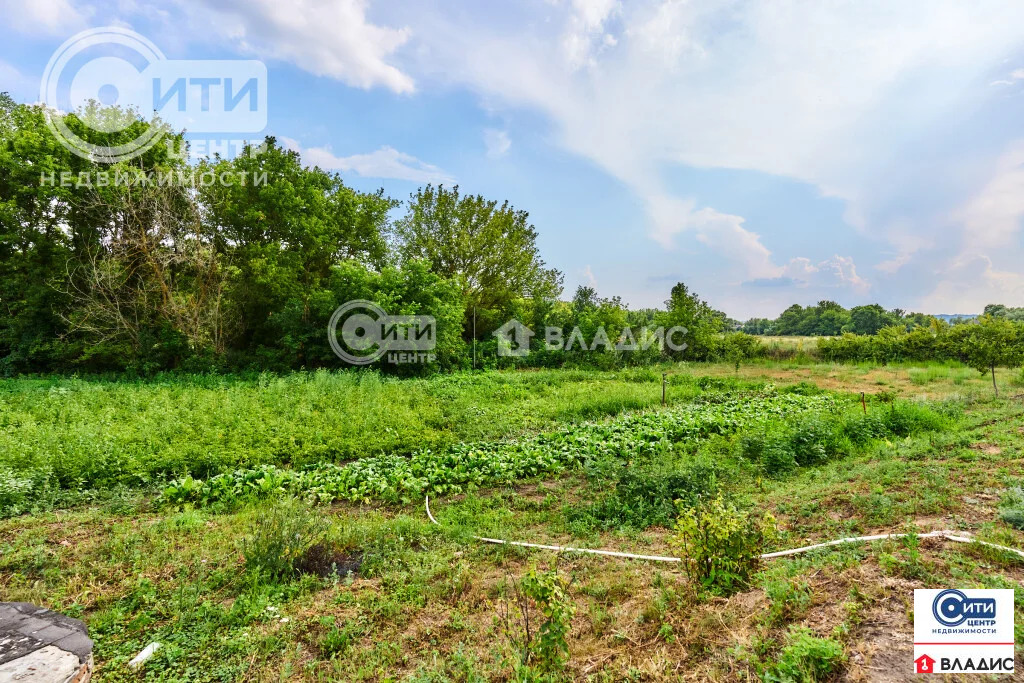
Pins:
x: 547, y: 647
x: 280, y: 538
x: 788, y: 599
x: 1011, y: 507
x: 816, y: 439
x: 778, y: 457
x: 806, y: 658
x: 904, y: 418
x: 721, y: 546
x: 862, y: 429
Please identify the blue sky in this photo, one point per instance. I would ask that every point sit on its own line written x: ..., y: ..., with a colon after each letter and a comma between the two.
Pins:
x: 766, y: 153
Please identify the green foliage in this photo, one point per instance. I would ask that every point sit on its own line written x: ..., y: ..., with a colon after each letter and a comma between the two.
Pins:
x: 490, y: 250
x: 819, y: 437
x: 548, y: 648
x: 720, y: 545
x: 1011, y: 507
x: 281, y: 535
x: 468, y: 466
x: 788, y: 599
x: 806, y: 658
x: 648, y: 495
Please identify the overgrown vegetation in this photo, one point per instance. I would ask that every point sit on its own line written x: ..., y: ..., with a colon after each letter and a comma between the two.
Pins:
x: 260, y: 585
x: 721, y: 546
x: 468, y: 466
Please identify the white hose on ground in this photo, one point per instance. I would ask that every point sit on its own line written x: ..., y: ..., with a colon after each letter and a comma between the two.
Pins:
x: 958, y: 536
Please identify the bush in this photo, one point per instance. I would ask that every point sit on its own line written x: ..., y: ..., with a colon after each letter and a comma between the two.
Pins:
x: 806, y: 658
x: 904, y: 418
x: 816, y: 439
x: 778, y: 457
x: 649, y: 496
x: 280, y: 538
x: 1011, y: 507
x: 547, y: 648
x: 721, y: 546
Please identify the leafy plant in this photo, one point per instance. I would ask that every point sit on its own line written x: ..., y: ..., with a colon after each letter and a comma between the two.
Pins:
x: 721, y: 546
x: 281, y: 535
x: 787, y: 598
x: 468, y: 466
x: 648, y: 495
x: 1011, y: 507
x: 540, y: 597
x: 806, y: 659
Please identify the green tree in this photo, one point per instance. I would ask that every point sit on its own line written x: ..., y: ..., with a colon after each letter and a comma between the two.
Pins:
x: 490, y: 248
x: 703, y: 326
x: 990, y: 343
x: 284, y: 229
x: 868, y: 319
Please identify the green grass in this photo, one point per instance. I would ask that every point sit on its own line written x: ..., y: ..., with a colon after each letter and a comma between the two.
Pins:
x: 77, y: 435
x: 426, y: 601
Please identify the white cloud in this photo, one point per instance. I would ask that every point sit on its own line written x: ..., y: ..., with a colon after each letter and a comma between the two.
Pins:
x: 386, y: 162
x: 584, y: 35
x: 969, y: 283
x: 838, y: 271
x: 497, y: 143
x: 823, y: 93
x: 726, y: 234
x: 992, y: 217
x: 331, y: 38
x: 44, y: 17
x: 1015, y: 75
x: 588, y: 277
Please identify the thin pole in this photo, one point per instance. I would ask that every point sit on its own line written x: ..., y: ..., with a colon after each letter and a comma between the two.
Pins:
x: 864, y: 403
x: 664, y: 383
x: 474, y: 337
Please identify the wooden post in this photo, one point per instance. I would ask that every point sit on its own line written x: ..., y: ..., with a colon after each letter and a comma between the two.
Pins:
x: 863, y: 403
x: 994, y: 385
x: 664, y: 383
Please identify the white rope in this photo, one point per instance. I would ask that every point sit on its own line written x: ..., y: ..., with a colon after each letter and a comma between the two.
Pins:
x: 958, y: 536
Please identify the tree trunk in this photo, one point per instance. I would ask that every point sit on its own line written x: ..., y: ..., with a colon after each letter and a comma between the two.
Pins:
x: 994, y: 385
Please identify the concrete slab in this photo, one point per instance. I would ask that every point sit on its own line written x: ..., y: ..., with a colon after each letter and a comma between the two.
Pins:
x: 42, y: 646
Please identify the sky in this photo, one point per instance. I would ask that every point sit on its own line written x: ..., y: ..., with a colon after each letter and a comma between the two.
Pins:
x: 765, y: 153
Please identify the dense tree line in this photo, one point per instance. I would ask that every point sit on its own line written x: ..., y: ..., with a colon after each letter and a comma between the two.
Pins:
x: 245, y: 272
x: 829, y: 319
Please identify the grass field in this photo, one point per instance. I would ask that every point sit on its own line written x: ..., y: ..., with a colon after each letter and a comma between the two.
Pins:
x: 590, y: 459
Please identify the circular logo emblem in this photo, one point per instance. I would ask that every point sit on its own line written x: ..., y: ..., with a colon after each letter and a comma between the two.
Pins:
x: 360, y: 342
x: 91, y: 73
x: 948, y: 608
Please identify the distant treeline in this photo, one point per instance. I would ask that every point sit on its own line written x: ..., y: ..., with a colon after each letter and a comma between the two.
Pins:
x: 829, y: 319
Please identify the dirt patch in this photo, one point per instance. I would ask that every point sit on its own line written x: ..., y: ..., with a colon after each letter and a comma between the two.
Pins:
x: 986, y: 448
x: 885, y: 649
x: 326, y: 560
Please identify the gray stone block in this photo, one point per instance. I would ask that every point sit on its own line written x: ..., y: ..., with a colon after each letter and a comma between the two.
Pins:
x: 79, y: 643
x: 30, y: 625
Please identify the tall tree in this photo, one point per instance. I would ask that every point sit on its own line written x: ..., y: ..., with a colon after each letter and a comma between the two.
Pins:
x: 490, y: 248
x: 285, y: 227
